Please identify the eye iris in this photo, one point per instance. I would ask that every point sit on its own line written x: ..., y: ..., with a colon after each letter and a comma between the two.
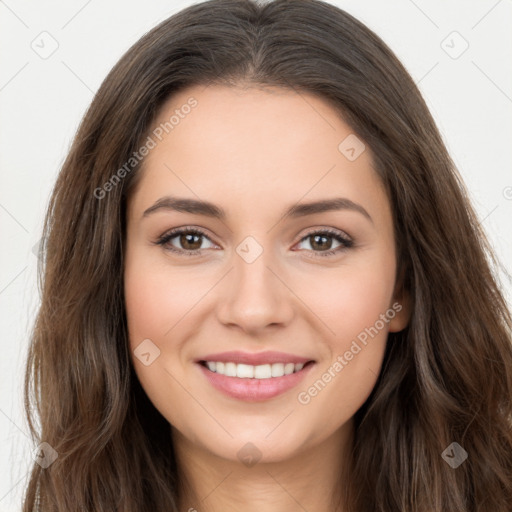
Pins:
x: 187, y: 244
x: 315, y: 239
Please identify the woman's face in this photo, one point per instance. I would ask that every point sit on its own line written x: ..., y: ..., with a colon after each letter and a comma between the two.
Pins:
x: 256, y: 285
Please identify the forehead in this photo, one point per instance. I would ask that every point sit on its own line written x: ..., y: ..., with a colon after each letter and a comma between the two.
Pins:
x: 263, y: 146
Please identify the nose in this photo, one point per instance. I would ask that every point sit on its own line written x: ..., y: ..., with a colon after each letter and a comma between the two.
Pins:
x: 255, y: 297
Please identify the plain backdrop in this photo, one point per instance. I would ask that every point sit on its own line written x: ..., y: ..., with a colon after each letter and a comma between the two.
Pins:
x: 54, y: 56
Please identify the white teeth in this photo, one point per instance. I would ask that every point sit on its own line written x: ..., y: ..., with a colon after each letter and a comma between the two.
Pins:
x: 230, y: 369
x: 277, y: 370
x: 263, y: 371
x: 288, y: 368
x: 244, y: 371
x: 247, y: 371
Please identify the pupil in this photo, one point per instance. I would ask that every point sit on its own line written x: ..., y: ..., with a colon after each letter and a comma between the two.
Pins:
x: 324, y: 238
x: 186, y: 242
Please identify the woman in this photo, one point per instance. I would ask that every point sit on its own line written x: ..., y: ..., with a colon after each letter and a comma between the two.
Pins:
x: 264, y: 285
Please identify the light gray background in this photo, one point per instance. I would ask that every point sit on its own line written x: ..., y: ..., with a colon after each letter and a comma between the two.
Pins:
x: 43, y: 99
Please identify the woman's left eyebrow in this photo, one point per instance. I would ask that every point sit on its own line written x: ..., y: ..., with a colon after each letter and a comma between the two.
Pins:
x: 200, y: 207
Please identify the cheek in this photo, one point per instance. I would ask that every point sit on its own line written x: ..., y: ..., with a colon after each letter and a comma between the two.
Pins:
x: 162, y: 305
x: 350, y: 304
x: 156, y: 299
x: 145, y: 305
x: 351, y: 298
x: 155, y: 302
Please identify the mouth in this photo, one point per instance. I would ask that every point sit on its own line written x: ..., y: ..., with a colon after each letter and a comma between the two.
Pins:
x: 254, y: 383
x: 249, y: 371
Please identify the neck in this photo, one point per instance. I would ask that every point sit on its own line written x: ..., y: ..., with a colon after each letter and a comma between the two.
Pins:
x: 311, y: 479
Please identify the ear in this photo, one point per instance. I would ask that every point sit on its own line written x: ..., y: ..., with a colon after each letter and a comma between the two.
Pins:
x: 401, y: 305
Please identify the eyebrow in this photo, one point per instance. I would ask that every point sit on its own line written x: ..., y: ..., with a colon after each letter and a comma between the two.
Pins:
x: 198, y: 207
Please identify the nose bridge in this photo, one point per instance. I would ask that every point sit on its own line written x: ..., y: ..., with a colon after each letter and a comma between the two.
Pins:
x: 253, y: 280
x: 254, y: 297
x: 251, y: 272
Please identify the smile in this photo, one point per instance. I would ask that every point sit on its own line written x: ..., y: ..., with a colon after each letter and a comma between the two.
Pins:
x: 254, y: 383
x: 249, y: 371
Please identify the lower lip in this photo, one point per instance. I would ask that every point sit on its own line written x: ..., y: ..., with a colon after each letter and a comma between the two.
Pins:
x: 254, y: 390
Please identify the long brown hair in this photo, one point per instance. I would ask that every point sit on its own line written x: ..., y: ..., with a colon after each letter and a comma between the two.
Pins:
x: 446, y: 378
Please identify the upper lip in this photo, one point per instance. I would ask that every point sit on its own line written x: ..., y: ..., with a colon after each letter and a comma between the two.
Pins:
x: 254, y: 358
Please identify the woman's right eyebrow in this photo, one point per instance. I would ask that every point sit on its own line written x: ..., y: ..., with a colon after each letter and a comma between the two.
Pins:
x: 201, y: 207
x: 186, y: 205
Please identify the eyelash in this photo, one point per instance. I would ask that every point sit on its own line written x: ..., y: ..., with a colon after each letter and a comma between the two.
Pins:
x: 346, y: 243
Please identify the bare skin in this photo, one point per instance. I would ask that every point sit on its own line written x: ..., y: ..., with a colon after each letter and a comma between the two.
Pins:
x: 254, y: 153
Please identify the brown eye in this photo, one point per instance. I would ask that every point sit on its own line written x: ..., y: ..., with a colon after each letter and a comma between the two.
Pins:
x: 188, y: 241
x: 321, y: 242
